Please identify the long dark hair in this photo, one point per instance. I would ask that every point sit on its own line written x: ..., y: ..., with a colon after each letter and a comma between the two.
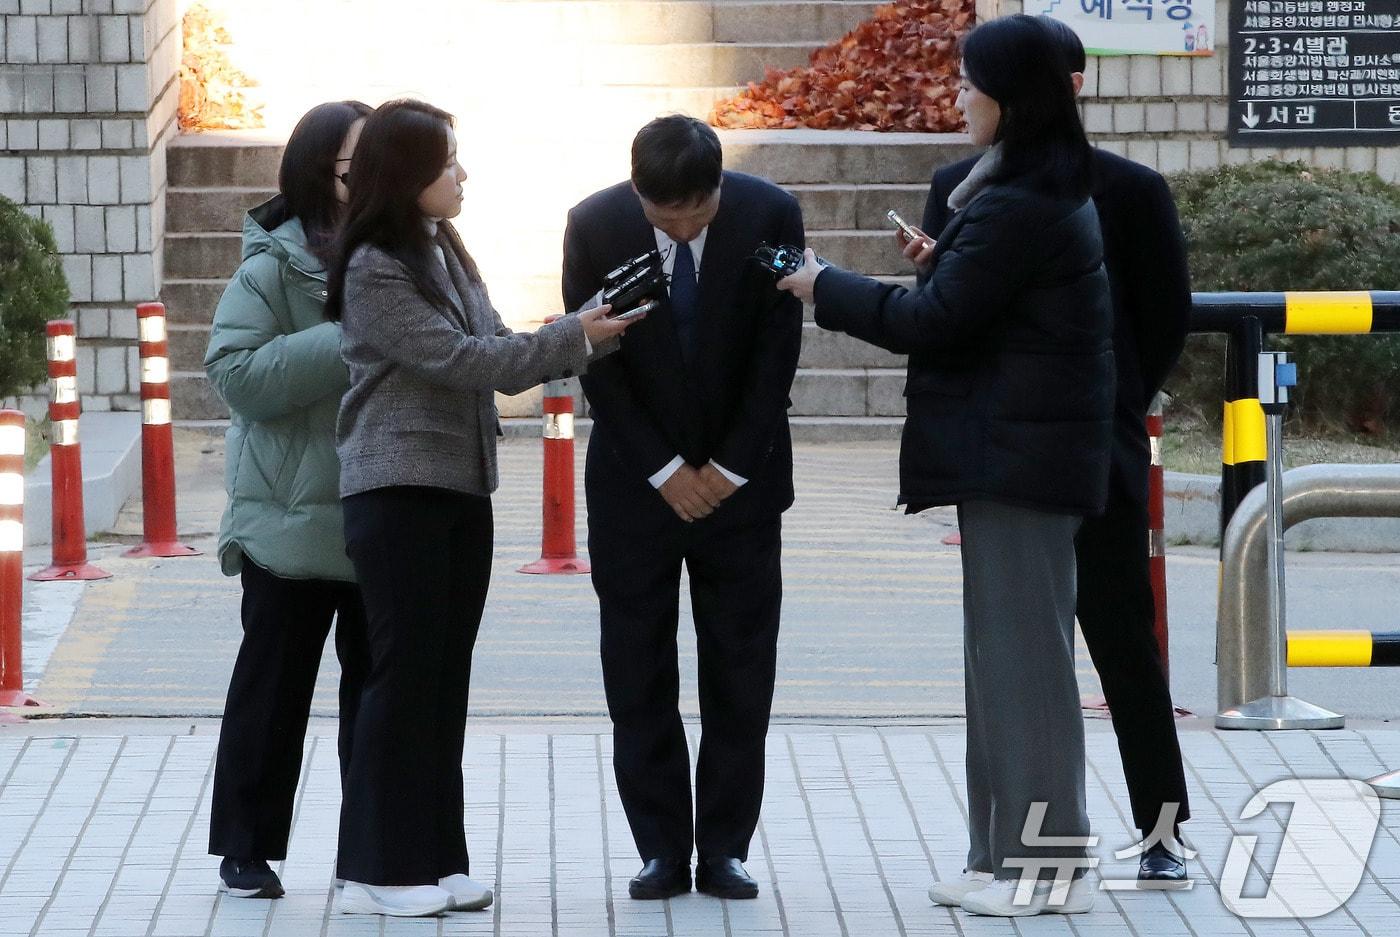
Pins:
x: 306, y: 177
x: 402, y: 149
x: 1020, y: 64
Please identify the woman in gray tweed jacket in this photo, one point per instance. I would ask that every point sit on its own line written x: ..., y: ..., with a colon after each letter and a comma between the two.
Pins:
x: 417, y: 443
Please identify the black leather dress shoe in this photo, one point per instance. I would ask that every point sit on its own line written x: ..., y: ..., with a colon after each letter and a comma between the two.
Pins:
x: 1158, y: 868
x: 724, y: 877
x: 661, y: 878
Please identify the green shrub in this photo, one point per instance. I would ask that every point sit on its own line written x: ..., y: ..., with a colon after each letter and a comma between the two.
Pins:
x: 32, y: 291
x: 1273, y: 226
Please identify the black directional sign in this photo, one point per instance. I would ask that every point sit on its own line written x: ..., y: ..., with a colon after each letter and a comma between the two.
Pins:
x: 1314, y: 72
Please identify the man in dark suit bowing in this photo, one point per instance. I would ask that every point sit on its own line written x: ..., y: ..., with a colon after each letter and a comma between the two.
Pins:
x: 1145, y: 254
x: 690, y: 462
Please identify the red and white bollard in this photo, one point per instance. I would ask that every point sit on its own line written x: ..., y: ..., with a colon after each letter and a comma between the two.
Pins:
x: 1156, y: 530
x: 66, y: 459
x: 558, y: 548
x: 12, y: 560
x: 157, y: 442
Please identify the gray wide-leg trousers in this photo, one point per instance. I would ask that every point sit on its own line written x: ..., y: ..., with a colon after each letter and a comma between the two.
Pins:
x: 1025, y: 731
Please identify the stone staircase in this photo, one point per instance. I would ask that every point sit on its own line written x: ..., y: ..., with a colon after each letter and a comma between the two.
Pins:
x: 660, y: 57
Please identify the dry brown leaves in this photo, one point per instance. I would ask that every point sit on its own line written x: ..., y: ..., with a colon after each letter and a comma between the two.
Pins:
x: 213, y: 94
x: 896, y: 71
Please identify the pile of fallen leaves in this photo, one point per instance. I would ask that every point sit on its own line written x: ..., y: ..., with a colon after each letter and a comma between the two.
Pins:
x: 896, y: 71
x: 213, y: 94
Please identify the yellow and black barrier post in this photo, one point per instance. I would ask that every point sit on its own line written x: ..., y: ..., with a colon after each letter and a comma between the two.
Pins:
x: 1344, y: 648
x: 1247, y: 319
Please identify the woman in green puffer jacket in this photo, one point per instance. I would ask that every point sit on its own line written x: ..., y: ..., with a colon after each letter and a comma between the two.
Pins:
x: 274, y: 358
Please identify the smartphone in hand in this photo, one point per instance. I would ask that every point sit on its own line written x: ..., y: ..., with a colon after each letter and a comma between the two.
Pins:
x: 905, y: 227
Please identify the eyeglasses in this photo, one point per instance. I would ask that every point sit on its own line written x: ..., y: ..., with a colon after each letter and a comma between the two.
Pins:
x: 344, y: 177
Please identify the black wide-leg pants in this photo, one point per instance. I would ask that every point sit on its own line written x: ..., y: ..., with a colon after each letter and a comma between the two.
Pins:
x: 285, y: 623
x: 423, y: 558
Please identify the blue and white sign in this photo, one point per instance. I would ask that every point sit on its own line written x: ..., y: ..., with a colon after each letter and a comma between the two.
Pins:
x: 1136, y: 27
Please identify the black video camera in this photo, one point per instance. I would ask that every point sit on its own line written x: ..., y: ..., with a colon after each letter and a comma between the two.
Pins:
x: 637, y: 279
x: 782, y: 261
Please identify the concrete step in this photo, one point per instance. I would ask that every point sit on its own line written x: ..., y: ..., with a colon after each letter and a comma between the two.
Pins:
x: 848, y: 392
x: 617, y: 111
x: 202, y: 256
x: 790, y: 157
x: 693, y: 64
x: 191, y: 301
x: 873, y: 253
x: 825, y: 206
x: 843, y: 206
x: 787, y: 157
x: 825, y: 350
x: 187, y: 345
x: 788, y: 20
x: 199, y: 160
x: 686, y: 21
x: 199, y: 210
x: 192, y: 397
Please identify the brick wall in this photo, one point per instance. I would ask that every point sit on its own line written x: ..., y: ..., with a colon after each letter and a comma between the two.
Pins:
x: 88, y: 95
x: 1170, y: 112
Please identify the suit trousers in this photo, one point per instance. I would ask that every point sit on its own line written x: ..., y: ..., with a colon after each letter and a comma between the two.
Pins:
x: 736, y: 596
x: 423, y: 558
x: 1116, y: 614
x: 1025, y: 730
x: 285, y: 623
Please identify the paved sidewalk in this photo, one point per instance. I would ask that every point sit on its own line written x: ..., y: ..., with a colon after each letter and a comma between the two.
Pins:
x: 872, y: 616
x: 103, y: 829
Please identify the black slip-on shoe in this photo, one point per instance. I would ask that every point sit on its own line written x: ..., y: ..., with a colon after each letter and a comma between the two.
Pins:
x: 660, y: 878
x: 249, y: 878
x: 1159, y: 868
x: 724, y: 877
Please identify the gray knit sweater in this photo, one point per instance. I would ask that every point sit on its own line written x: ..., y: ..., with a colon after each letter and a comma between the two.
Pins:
x: 421, y: 408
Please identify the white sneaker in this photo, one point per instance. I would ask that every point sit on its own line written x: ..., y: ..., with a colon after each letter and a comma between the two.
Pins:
x: 395, y: 900
x: 467, y: 895
x: 951, y: 893
x: 999, y: 899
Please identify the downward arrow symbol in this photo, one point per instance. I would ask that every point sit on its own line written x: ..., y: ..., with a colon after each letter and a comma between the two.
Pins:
x: 1251, y: 119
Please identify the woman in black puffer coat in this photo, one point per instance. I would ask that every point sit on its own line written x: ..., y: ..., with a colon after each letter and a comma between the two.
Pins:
x: 1010, y: 403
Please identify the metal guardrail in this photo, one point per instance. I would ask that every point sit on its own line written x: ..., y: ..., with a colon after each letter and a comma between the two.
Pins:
x: 1251, y: 659
x: 1247, y: 318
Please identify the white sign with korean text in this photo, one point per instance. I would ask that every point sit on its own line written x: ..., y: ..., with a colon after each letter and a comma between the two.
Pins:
x: 1136, y: 27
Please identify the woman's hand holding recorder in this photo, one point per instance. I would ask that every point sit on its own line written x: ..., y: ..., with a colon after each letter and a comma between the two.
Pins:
x: 599, y: 325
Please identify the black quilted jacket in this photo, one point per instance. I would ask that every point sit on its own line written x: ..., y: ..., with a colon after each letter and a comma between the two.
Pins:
x: 1011, y: 385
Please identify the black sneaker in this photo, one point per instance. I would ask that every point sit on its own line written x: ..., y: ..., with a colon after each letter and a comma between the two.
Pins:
x: 249, y: 878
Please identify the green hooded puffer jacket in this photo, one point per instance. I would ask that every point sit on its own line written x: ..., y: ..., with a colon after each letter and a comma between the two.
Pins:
x: 275, y: 360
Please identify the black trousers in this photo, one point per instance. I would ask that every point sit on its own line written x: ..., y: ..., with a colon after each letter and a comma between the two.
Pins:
x: 423, y: 558
x: 1116, y: 612
x: 736, y: 595
x: 285, y: 622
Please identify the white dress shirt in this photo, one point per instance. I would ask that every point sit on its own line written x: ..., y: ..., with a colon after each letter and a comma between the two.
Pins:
x: 664, y: 244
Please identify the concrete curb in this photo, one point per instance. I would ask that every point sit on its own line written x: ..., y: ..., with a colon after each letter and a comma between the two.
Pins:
x: 111, y: 473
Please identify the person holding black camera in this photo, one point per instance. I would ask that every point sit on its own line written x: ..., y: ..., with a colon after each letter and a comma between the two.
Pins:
x: 416, y: 436
x: 689, y: 463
